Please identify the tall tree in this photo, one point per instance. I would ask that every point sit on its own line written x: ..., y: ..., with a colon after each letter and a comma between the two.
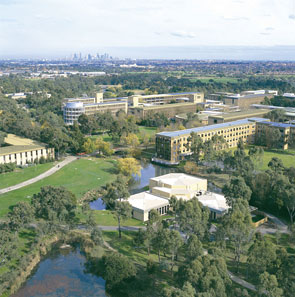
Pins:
x: 122, y: 212
x: 239, y: 228
x: 195, y: 145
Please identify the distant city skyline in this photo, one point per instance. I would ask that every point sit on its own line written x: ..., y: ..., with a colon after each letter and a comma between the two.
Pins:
x: 53, y: 28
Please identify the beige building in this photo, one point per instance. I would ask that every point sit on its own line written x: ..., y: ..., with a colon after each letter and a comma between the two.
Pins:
x: 180, y: 185
x: 237, y: 115
x: 22, y: 151
x: 74, y: 107
x: 171, y: 147
x: 142, y: 106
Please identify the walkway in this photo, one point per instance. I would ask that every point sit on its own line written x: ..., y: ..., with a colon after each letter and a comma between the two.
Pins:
x: 49, y: 172
x: 241, y: 282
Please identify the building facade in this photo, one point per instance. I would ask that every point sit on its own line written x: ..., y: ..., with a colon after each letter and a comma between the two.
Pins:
x: 22, y: 151
x: 172, y: 147
x: 181, y: 186
x: 74, y: 107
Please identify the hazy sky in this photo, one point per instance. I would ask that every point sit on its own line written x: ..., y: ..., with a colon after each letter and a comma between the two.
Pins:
x: 66, y: 26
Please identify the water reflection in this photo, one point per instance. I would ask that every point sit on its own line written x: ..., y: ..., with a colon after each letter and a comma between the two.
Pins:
x: 63, y: 274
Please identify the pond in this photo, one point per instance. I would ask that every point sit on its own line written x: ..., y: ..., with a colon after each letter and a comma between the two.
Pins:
x: 63, y: 273
x: 148, y: 171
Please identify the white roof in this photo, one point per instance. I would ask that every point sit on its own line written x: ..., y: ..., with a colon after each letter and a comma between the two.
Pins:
x: 147, y: 201
x: 177, y: 179
x: 213, y: 201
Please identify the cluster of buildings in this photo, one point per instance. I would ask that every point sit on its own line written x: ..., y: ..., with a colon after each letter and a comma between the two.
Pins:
x: 22, y: 151
x: 140, y: 106
x: 244, y: 99
x: 181, y: 186
x: 172, y: 147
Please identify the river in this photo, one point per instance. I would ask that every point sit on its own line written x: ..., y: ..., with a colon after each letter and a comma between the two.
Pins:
x: 62, y: 273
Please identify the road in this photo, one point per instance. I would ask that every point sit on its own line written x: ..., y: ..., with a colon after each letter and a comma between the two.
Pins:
x: 45, y: 174
x: 279, y: 226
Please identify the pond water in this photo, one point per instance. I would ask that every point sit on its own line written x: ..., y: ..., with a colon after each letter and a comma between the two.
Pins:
x: 63, y: 273
x: 148, y: 171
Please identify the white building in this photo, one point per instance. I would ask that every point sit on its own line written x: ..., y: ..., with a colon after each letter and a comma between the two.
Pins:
x: 182, y: 186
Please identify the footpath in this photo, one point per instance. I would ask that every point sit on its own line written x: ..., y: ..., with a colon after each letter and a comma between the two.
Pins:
x: 49, y: 172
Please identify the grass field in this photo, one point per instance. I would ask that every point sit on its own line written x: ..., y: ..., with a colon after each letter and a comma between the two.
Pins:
x: 22, y: 174
x: 106, y: 218
x: 79, y: 177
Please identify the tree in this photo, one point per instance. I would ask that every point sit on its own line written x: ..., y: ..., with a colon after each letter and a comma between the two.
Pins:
x: 190, y: 168
x: 86, y: 125
x: 114, y: 191
x: 21, y: 214
x: 122, y: 212
x: 195, y: 145
x: 289, y: 201
x: 96, y: 236
x: 193, y: 218
x: 193, y: 248
x: 256, y: 155
x: 236, y: 188
x: 55, y: 204
x: 238, y: 227
x: 276, y: 165
x: 128, y: 167
x: 89, y: 146
x: 261, y: 255
x: 103, y: 147
x: 268, y: 285
x: 273, y: 138
x: 175, y: 242
x: 2, y: 137
x: 186, y: 291
x: 118, y: 268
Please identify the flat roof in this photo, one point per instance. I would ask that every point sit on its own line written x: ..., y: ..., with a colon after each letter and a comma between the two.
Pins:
x: 237, y: 114
x: 17, y: 140
x: 168, y: 94
x: 247, y: 96
x: 14, y: 149
x: 210, y: 127
x: 215, y: 202
x: 279, y: 125
x: 178, y: 179
x: 147, y: 201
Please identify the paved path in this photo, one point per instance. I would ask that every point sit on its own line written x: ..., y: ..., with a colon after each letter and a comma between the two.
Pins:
x: 278, y: 225
x: 49, y: 172
x: 241, y: 282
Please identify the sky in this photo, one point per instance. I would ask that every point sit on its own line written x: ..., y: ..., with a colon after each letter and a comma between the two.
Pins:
x: 62, y: 27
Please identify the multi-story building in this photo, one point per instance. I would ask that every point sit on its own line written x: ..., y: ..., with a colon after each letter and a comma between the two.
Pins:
x: 142, y: 106
x: 287, y: 131
x: 171, y: 147
x: 22, y: 151
x: 74, y: 107
x: 245, y: 99
x: 225, y: 117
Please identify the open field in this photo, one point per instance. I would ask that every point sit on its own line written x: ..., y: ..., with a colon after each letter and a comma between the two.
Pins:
x: 287, y: 157
x: 22, y: 174
x: 79, y: 177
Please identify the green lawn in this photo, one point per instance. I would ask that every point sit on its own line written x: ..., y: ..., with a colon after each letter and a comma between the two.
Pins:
x: 150, y: 131
x: 79, y: 177
x: 23, y: 174
x: 287, y: 157
x: 106, y: 218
